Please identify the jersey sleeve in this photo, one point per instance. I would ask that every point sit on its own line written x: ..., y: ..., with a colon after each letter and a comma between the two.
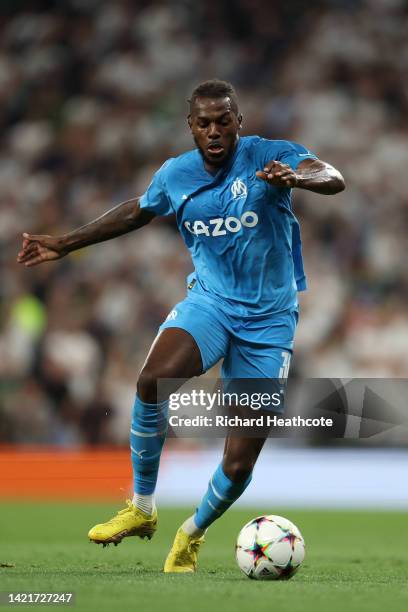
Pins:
x: 293, y: 153
x: 156, y: 198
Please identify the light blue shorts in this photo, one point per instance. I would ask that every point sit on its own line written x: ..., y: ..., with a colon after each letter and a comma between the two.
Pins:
x: 251, y: 348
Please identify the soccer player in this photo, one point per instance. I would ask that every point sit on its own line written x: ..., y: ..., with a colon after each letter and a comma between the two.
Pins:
x: 232, y: 200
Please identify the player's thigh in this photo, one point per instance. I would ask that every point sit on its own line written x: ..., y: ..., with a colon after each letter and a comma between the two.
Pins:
x: 173, y: 358
x: 174, y: 353
x: 190, y: 341
x: 205, y: 326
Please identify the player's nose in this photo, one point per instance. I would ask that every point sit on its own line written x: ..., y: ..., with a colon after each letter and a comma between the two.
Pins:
x: 213, y: 131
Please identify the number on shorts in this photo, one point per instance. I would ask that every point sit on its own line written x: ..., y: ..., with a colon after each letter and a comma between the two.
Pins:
x: 284, y: 370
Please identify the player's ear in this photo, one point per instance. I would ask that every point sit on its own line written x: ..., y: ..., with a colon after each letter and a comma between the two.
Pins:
x: 189, y: 121
x: 239, y: 121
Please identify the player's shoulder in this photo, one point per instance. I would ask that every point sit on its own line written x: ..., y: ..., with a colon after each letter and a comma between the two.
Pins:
x: 264, y: 150
x: 164, y: 168
x: 182, y: 162
x: 269, y: 144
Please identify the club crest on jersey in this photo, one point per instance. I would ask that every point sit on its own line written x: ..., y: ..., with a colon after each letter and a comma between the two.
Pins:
x: 239, y: 189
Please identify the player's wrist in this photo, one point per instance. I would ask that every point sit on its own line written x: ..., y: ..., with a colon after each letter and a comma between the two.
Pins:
x: 301, y: 181
x: 296, y: 180
x: 67, y: 243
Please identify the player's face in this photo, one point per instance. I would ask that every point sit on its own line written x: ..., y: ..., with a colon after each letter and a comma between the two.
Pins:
x: 214, y: 125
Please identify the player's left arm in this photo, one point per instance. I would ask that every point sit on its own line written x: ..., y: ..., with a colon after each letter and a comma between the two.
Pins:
x: 312, y: 174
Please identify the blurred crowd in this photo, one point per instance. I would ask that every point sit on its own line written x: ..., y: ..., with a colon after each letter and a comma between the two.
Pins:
x: 93, y: 100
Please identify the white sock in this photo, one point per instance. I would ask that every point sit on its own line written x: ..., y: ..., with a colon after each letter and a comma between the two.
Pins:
x: 190, y: 528
x: 145, y: 503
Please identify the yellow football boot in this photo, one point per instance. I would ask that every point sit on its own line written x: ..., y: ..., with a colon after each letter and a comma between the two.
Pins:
x: 182, y: 557
x: 128, y: 522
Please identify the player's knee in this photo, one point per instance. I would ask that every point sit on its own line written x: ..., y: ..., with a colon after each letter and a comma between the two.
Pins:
x: 238, y: 470
x: 147, y: 386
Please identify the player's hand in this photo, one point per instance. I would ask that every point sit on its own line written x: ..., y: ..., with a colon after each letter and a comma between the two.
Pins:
x: 37, y: 249
x: 278, y: 174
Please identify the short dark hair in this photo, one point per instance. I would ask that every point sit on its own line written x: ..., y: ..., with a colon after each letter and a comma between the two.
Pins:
x: 214, y: 88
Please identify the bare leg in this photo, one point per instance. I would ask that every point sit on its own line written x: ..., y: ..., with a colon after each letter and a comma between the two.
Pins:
x: 174, y: 354
x: 240, y: 455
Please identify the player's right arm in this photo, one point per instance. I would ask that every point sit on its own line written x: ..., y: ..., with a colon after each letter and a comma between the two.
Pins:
x: 121, y: 219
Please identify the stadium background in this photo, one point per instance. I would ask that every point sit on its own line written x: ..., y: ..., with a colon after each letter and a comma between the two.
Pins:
x: 92, y: 101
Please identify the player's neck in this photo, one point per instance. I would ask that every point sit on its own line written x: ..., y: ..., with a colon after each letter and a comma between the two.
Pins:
x: 212, y: 169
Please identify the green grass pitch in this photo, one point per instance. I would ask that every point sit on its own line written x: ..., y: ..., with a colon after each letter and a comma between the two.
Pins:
x: 354, y: 561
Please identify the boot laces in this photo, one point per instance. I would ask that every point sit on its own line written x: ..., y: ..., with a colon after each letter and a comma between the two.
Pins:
x: 194, y: 545
x: 124, y: 511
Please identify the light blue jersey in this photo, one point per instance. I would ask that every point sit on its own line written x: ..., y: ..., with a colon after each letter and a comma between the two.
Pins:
x: 241, y: 232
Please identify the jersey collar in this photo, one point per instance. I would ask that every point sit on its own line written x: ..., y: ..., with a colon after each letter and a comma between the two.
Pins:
x: 223, y: 171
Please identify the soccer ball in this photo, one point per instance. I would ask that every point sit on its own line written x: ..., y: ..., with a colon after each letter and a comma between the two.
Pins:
x: 270, y: 548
